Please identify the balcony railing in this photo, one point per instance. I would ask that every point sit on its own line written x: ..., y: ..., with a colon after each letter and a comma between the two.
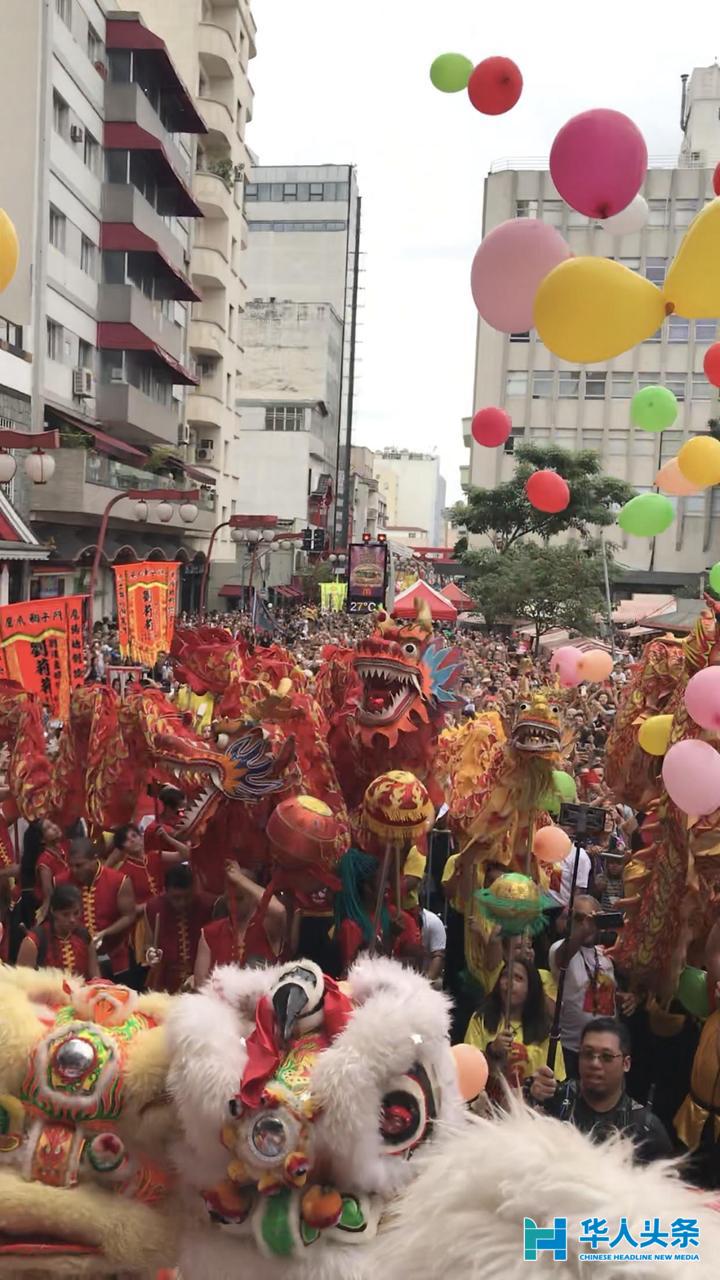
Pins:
x: 100, y: 469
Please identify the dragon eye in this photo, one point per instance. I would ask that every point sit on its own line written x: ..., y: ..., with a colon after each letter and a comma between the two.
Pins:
x: 411, y: 649
x: 399, y: 1118
x: 555, y: 708
x: 523, y: 706
x: 407, y: 1113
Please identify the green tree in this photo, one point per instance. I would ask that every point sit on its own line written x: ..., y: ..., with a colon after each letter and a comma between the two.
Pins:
x: 549, y: 586
x: 311, y: 577
x: 505, y: 515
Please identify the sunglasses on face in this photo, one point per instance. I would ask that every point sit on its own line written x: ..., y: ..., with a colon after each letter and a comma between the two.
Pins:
x: 603, y: 1055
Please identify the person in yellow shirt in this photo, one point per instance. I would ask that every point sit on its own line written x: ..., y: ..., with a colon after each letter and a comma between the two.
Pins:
x: 517, y: 1050
x: 413, y: 876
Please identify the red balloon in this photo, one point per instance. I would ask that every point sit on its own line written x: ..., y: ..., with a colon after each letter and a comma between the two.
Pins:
x: 716, y: 180
x: 711, y: 364
x: 547, y: 491
x: 495, y: 86
x: 491, y: 427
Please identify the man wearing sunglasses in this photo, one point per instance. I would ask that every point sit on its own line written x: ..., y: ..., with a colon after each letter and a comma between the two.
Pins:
x: 598, y: 1103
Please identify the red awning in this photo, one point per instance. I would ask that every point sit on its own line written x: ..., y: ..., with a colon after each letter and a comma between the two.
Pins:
x: 127, y: 136
x: 116, y: 448
x: 291, y: 593
x: 231, y: 590
x: 126, y: 238
x: 125, y: 337
x: 131, y: 33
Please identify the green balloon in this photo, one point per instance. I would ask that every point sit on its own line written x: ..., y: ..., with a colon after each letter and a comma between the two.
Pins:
x: 715, y: 578
x: 692, y: 991
x: 653, y: 408
x: 450, y: 72
x: 647, y: 514
x: 563, y: 791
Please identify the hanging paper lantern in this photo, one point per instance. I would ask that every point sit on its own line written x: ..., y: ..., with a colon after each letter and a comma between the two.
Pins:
x: 495, y: 86
x: 188, y: 512
x: 39, y: 466
x: 491, y: 427
x: 547, y: 491
x: 141, y: 511
x: 164, y: 512
x: 8, y: 467
x: 303, y: 832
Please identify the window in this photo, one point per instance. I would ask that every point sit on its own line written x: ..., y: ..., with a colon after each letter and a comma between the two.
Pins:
x: 63, y: 8
x: 61, y: 115
x: 592, y: 440
x: 231, y: 321
x: 685, y: 211
x: 342, y: 190
x: 654, y: 337
x: 553, y: 212
x: 316, y: 190
x: 290, y: 191
x: 251, y: 191
x: 228, y: 390
x: 618, y: 444
x: 543, y: 381
x: 285, y: 417
x: 632, y: 264
x: 701, y: 388
x: 54, y: 340
x: 86, y: 355
x: 94, y: 45
x: 694, y: 505
x: 569, y: 380
x: 576, y: 219
x: 648, y: 379
x: 655, y: 269
x: 116, y: 166
x: 87, y: 256
x: 678, y: 329
x: 595, y: 384
x: 91, y: 152
x: 113, y: 265
x: 705, y: 330
x: 516, y: 382
x: 526, y: 208
x: 622, y: 386
x: 670, y: 442
x: 659, y: 213
x: 677, y: 383
x: 520, y: 337
x: 58, y: 225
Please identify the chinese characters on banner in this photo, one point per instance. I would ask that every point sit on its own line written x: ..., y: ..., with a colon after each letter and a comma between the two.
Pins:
x: 41, y: 646
x: 146, y: 606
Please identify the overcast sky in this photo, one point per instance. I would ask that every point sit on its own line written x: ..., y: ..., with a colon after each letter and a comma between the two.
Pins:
x: 346, y: 82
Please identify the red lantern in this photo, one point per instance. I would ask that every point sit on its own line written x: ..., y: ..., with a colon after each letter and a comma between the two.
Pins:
x: 716, y: 180
x: 495, y: 86
x: 547, y: 491
x: 711, y: 364
x: 491, y: 427
x: 304, y: 833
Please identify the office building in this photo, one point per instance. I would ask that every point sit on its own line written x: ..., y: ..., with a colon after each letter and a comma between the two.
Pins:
x: 550, y: 401
x: 367, y: 505
x: 299, y: 333
x: 97, y: 174
x: 414, y: 493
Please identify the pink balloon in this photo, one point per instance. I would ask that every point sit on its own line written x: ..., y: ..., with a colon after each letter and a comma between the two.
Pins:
x: 551, y: 845
x: 596, y: 664
x: 508, y: 268
x: 702, y: 698
x: 598, y: 162
x: 691, y: 773
x: 472, y: 1070
x: 566, y: 661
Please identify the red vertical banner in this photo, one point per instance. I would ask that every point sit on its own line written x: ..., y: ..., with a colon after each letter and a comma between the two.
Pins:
x: 146, y: 607
x: 41, y: 647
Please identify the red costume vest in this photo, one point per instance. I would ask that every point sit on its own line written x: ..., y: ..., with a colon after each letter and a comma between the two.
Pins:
x: 225, y: 948
x: 178, y: 935
x: 100, y: 909
x: 71, y: 954
x: 146, y: 876
x: 56, y: 863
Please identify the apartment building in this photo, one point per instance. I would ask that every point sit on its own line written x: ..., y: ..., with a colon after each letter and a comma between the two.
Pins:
x: 414, y: 493
x: 589, y: 408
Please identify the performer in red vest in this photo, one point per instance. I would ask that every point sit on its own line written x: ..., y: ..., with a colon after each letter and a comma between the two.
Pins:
x: 160, y: 835
x: 241, y: 937
x: 174, y: 921
x: 143, y: 867
x: 61, y: 942
x: 108, y: 904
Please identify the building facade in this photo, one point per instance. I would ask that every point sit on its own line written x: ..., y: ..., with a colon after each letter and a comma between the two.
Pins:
x: 299, y: 333
x: 413, y: 490
x: 551, y: 401
x: 367, y: 505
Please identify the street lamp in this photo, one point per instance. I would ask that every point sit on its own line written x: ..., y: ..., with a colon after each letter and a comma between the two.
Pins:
x: 8, y: 467
x: 164, y: 512
x: 140, y: 497
x: 141, y: 511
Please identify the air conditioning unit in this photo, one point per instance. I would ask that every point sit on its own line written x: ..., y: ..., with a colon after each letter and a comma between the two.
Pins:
x: 83, y: 384
x: 183, y: 434
x: 76, y: 133
x: 117, y: 375
x: 204, y: 455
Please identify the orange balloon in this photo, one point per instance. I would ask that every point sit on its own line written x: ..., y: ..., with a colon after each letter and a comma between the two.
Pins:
x: 670, y: 479
x: 472, y: 1070
x: 596, y: 664
x: 551, y: 844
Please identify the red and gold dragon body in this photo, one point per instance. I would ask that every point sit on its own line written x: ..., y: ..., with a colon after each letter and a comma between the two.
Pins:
x: 672, y: 883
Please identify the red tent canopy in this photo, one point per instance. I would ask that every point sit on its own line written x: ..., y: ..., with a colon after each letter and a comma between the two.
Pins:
x: 457, y: 596
x: 441, y: 608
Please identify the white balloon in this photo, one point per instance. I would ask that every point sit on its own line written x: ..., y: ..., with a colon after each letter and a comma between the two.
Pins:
x: 632, y: 218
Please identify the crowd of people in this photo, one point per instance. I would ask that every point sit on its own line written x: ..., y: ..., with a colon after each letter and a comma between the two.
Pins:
x: 129, y: 906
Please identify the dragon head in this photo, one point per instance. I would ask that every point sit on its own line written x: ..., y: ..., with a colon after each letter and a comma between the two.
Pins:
x: 537, y: 725
x: 407, y: 675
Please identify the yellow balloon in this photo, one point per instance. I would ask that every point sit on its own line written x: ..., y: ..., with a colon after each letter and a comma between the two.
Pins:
x: 654, y: 735
x: 590, y: 309
x: 9, y: 250
x: 692, y: 284
x: 699, y: 460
